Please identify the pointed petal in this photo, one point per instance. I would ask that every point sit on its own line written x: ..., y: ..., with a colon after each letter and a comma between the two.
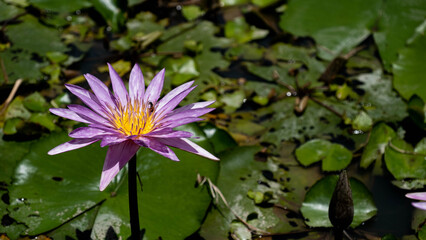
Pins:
x: 118, y: 86
x: 111, y: 140
x: 187, y: 145
x: 136, y: 83
x: 88, y: 132
x: 169, y: 134
x: 169, y: 96
x: 194, y: 106
x: 66, y: 113
x: 417, y: 195
x: 87, y: 97
x: 89, y: 115
x: 157, y: 147
x: 172, y: 103
x: 154, y: 89
x: 100, y: 90
x: 179, y: 122
x: 191, y: 113
x: 421, y: 205
x: 72, y: 145
x: 117, y: 156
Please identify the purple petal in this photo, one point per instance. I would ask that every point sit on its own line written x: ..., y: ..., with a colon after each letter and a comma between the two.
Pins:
x: 169, y: 96
x: 100, y: 90
x: 88, y: 132
x: 194, y: 106
x: 117, y: 156
x: 417, y: 195
x: 118, y: 86
x: 173, y: 103
x: 87, y: 97
x: 72, y: 145
x: 66, y: 113
x: 87, y: 114
x: 111, y: 140
x: 157, y: 147
x: 421, y: 205
x: 154, y: 89
x: 187, y: 145
x: 191, y: 113
x: 136, y: 83
x: 179, y: 122
x: 169, y: 134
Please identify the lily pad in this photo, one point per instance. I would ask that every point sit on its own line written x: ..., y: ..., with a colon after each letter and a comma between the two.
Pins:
x: 336, y: 26
x: 409, y: 71
x: 58, y: 6
x: 396, y: 27
x: 8, y: 11
x: 239, y: 30
x: 52, y: 190
x: 375, y: 148
x: 405, y: 162
x: 32, y: 36
x: 317, y: 200
x: 334, y: 156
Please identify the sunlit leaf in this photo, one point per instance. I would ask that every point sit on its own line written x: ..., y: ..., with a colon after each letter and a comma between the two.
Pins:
x: 239, y: 30
x: 334, y: 156
x: 8, y: 11
x: 317, y: 200
x: 191, y: 12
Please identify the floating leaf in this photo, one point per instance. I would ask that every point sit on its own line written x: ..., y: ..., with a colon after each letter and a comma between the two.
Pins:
x: 34, y: 37
x: 192, y: 12
x: 336, y: 26
x: 362, y: 122
x: 409, y: 71
x: 317, y: 200
x: 8, y: 11
x: 239, y: 30
x: 401, y: 161
x: 58, y: 6
x: 334, y: 156
x: 395, y: 27
x: 375, y: 148
x: 11, y: 153
x: 180, y: 70
x: 111, y: 12
x: 36, y: 102
x: 21, y: 65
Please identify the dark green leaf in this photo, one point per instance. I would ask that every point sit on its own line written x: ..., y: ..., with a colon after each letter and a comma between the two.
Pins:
x: 8, y: 11
x: 59, y: 6
x: 335, y: 25
x: 379, y: 138
x: 239, y: 30
x: 409, y: 71
x: 111, y: 12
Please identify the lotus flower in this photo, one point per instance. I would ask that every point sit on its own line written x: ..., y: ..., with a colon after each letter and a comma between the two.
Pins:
x: 418, y: 196
x: 126, y: 121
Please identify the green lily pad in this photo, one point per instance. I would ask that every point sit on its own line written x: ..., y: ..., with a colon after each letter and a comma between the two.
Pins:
x: 21, y: 65
x: 52, y: 190
x: 362, y: 122
x: 192, y: 12
x: 380, y: 101
x: 395, y: 27
x: 409, y: 71
x: 34, y: 37
x: 180, y: 70
x: 336, y: 26
x: 36, y: 102
x: 8, y: 11
x: 239, y: 30
x: 334, y: 156
x: 11, y: 153
x: 405, y: 164
x: 375, y: 148
x: 59, y: 6
x: 317, y: 200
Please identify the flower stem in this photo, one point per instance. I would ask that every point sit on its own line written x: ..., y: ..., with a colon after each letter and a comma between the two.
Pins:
x: 133, y: 200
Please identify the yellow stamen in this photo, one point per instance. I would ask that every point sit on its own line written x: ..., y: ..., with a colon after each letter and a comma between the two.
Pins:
x: 135, y: 118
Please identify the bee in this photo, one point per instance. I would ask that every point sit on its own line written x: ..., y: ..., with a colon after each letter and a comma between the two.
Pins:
x: 150, y: 107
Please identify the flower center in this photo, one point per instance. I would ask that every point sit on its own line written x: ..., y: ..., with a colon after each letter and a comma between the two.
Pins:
x: 135, y: 118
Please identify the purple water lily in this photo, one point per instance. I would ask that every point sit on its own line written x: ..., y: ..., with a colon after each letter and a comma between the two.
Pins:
x: 418, y: 196
x: 126, y: 121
